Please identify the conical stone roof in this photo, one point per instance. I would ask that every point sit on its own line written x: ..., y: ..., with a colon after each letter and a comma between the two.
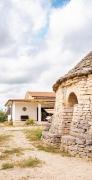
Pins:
x: 84, y: 67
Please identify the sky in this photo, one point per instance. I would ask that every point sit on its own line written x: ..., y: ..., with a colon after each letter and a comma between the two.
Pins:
x: 40, y: 40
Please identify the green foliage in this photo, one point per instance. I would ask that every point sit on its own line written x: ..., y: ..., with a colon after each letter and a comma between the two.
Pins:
x: 30, y: 122
x: 3, y: 116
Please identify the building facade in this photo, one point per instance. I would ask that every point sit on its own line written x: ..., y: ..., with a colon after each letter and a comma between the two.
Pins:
x: 33, y: 106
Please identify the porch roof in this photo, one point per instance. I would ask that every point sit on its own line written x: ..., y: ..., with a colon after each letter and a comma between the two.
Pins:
x: 44, y: 102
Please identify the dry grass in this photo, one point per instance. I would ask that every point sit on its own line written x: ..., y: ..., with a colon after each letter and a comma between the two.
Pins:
x: 31, y: 162
x: 51, y: 149
x: 9, y: 152
x: 3, y: 156
x: 7, y: 165
x: 34, y: 135
x: 8, y: 123
x: 25, y: 163
x: 47, y: 148
x: 17, y: 151
x: 4, y: 138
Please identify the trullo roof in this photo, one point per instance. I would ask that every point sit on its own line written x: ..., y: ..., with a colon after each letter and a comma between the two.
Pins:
x: 84, y: 67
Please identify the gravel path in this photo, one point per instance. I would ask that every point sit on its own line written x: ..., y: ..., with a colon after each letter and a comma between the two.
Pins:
x: 55, y: 167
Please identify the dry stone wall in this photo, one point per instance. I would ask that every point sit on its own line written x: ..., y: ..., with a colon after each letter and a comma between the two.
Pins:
x: 67, y: 120
x: 79, y: 141
x: 73, y: 125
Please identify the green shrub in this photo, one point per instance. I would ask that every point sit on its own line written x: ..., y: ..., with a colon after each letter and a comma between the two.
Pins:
x: 30, y: 122
x: 3, y: 116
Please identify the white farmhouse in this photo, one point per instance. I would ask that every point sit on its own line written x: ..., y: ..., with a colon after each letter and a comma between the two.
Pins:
x: 35, y: 105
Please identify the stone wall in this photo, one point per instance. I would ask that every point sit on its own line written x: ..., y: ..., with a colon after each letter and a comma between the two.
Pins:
x: 79, y: 140
x: 67, y: 119
x: 74, y: 124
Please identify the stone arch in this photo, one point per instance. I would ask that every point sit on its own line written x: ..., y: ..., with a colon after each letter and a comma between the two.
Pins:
x: 72, y: 99
x: 69, y: 108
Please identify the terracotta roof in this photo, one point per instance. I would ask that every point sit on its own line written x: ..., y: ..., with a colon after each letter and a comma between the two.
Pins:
x: 84, y: 67
x: 45, y: 97
x: 41, y: 94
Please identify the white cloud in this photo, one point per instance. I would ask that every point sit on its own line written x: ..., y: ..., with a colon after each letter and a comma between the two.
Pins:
x: 31, y: 61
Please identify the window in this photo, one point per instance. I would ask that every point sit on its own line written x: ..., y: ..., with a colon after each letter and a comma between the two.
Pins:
x: 24, y: 118
x: 24, y: 109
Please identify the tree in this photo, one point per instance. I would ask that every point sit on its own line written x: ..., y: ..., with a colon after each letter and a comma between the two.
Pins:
x: 3, y: 116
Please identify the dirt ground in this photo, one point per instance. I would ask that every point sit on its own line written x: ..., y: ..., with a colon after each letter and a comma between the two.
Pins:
x: 55, y: 167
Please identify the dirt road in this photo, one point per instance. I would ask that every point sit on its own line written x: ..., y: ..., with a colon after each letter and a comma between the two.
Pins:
x: 55, y: 167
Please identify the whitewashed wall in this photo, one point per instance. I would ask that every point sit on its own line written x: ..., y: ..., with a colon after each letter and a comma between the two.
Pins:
x: 17, y: 110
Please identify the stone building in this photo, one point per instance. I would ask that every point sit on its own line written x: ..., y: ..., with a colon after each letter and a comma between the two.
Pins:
x: 71, y: 127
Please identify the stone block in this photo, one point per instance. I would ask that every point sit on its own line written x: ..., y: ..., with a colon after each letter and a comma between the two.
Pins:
x: 80, y: 141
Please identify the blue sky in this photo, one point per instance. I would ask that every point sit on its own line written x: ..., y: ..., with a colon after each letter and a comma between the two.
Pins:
x: 41, y: 40
x: 59, y: 3
x: 44, y: 30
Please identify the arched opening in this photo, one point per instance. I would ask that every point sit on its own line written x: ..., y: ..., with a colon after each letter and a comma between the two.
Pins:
x: 72, y: 100
x: 69, y: 110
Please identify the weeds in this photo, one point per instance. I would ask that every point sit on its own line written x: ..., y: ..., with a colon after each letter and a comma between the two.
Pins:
x: 31, y: 162
x: 7, y: 165
x: 34, y: 134
x: 17, y: 151
x: 51, y: 149
x: 3, y: 156
x: 30, y: 122
x: 7, y: 153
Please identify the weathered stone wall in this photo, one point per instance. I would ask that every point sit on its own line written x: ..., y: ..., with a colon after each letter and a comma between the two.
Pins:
x: 67, y: 120
x: 79, y: 141
x: 82, y: 87
x: 74, y: 124
x: 57, y: 117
